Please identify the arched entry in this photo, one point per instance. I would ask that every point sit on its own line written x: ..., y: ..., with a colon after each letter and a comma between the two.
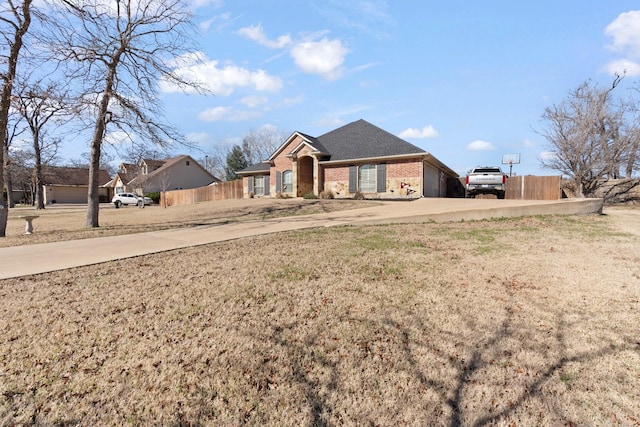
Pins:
x: 305, y: 176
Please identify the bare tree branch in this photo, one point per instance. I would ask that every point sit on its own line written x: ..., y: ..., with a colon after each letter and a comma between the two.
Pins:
x: 121, y: 52
x: 590, y: 138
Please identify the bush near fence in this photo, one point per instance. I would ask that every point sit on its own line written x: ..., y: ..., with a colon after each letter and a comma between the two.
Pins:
x: 219, y: 191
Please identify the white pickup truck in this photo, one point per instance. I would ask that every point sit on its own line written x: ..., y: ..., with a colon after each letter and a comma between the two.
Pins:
x: 486, y: 180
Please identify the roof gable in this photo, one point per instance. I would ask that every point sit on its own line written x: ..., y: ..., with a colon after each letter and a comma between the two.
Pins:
x: 362, y: 140
x: 306, y: 140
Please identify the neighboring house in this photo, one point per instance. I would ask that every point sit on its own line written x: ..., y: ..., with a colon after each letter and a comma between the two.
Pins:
x: 151, y: 176
x: 71, y: 185
x: 358, y: 157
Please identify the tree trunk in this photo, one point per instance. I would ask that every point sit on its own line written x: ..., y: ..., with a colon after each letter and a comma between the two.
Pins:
x: 5, y: 102
x: 8, y: 180
x: 93, y: 196
x: 579, y: 188
x: 631, y: 161
x: 38, y: 172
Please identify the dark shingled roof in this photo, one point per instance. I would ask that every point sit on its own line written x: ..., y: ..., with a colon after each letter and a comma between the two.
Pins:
x: 62, y: 175
x: 354, y: 141
x: 362, y: 140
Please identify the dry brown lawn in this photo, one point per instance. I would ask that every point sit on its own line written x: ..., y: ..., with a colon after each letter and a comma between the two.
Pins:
x: 67, y: 222
x: 517, y: 322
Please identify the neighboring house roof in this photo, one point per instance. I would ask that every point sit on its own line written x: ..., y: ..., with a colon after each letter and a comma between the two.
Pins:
x: 71, y: 176
x: 166, y: 164
x: 127, y: 167
x: 130, y: 173
x: 153, y: 164
x: 362, y: 140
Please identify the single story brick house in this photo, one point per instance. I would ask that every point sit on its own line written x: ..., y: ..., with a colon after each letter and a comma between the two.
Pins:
x: 356, y: 158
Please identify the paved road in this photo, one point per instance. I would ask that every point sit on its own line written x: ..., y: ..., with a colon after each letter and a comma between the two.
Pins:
x: 41, y: 258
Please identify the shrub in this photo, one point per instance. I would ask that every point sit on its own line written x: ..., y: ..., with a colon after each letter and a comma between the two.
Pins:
x: 310, y: 195
x: 154, y: 196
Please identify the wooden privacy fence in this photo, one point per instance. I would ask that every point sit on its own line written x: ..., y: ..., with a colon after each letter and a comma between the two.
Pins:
x: 220, y: 191
x: 529, y: 187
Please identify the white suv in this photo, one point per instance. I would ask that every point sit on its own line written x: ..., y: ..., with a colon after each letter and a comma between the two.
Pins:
x: 130, y: 199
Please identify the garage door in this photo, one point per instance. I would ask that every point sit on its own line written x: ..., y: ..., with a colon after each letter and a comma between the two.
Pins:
x: 431, y: 181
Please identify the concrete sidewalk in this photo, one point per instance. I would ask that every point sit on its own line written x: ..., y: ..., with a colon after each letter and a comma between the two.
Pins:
x: 41, y: 258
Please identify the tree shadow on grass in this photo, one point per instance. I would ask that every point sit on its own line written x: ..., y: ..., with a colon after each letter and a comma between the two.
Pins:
x: 469, y: 360
x: 492, y: 347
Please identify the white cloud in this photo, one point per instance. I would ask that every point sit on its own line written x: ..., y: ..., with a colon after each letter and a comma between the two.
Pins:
x: 293, y: 101
x: 118, y: 137
x: 199, y: 137
x: 528, y: 143
x: 623, y: 66
x: 227, y: 114
x: 625, y: 32
x: 479, y: 145
x: 202, y: 3
x: 424, y: 133
x: 254, y: 101
x: 256, y: 33
x: 314, y: 54
x: 220, y: 20
x: 329, y: 122
x: 221, y: 80
x: 324, y: 57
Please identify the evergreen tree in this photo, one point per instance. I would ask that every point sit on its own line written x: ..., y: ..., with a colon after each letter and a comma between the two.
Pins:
x: 236, y: 160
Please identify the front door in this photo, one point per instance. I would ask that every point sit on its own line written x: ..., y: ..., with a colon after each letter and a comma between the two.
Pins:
x: 305, y: 176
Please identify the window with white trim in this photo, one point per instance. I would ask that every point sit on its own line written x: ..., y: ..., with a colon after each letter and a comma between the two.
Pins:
x: 287, y: 181
x: 367, y: 179
x: 258, y: 185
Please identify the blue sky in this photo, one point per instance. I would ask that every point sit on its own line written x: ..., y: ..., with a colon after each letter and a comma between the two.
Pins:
x: 465, y: 80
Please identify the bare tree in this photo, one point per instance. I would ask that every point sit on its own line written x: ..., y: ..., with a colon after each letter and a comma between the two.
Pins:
x: 216, y: 161
x: 258, y: 145
x: 164, y: 181
x: 15, y: 129
x: 121, y: 50
x: 15, y: 19
x: 106, y: 162
x: 42, y: 105
x: 20, y: 170
x: 632, y: 133
x: 586, y: 136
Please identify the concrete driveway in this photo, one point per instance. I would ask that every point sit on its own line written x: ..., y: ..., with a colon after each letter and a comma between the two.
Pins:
x: 41, y: 258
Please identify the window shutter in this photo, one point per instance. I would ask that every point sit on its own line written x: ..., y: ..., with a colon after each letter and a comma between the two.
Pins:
x: 278, y: 182
x: 353, y: 179
x: 250, y: 184
x: 266, y: 185
x: 381, y: 180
